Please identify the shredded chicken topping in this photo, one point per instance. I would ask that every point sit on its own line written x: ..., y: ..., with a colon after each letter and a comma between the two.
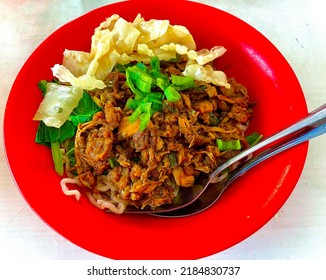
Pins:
x: 118, y: 163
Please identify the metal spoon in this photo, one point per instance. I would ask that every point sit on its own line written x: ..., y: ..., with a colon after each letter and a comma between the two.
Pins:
x: 187, y: 196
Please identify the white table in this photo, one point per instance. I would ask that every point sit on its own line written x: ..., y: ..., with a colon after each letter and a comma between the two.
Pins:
x: 296, y: 27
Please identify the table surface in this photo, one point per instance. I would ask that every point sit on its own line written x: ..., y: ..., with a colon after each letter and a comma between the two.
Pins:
x: 296, y: 27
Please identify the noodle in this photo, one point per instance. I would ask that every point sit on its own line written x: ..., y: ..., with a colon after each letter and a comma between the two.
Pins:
x: 68, y: 192
x: 103, y: 204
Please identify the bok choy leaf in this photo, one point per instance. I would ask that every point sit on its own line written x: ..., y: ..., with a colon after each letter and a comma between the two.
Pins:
x: 52, y: 137
x: 85, y: 110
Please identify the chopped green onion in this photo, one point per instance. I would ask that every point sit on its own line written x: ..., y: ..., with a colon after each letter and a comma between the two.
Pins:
x: 143, y: 112
x: 141, y: 96
x: 182, y: 82
x: 213, y: 120
x: 140, y: 78
x: 157, y: 105
x: 162, y: 81
x: 131, y: 84
x: 172, y: 159
x: 146, y: 107
x: 132, y: 104
x: 135, y: 115
x: 156, y: 98
x: 144, y: 82
x: 144, y: 120
x: 141, y: 66
x: 172, y: 94
x: 146, y: 115
x: 113, y: 162
x: 228, y: 145
x: 254, y: 138
x: 155, y: 64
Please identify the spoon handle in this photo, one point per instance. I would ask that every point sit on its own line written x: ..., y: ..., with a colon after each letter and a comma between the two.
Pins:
x: 312, y: 118
x: 298, y: 138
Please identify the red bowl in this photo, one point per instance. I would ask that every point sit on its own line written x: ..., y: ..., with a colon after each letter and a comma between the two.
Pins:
x: 243, y: 209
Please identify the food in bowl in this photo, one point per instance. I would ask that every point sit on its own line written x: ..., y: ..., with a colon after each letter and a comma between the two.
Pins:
x: 141, y: 115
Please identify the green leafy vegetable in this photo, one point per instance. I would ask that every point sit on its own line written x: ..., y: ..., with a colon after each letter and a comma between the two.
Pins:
x: 53, y: 136
x: 42, y: 86
x: 47, y: 134
x: 85, y: 110
x: 82, y: 113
